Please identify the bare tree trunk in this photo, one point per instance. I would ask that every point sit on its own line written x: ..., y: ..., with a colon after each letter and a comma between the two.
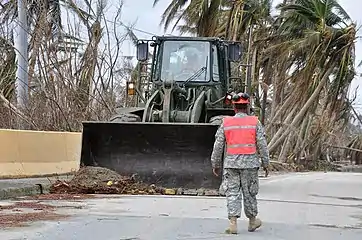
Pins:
x: 278, y: 86
x: 274, y: 143
x: 286, y: 123
x: 300, y: 139
x: 283, y: 108
x: 229, y: 22
x: 283, y: 156
x: 263, y: 106
x: 237, y: 20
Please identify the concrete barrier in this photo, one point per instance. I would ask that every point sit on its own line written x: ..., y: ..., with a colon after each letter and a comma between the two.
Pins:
x: 38, y: 153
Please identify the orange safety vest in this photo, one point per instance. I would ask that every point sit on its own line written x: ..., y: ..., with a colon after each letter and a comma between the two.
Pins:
x: 240, y: 134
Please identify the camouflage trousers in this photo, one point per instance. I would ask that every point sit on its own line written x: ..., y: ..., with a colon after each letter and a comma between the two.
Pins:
x: 241, y: 184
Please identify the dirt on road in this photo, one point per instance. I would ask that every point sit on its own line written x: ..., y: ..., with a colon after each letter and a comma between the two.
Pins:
x: 19, y: 214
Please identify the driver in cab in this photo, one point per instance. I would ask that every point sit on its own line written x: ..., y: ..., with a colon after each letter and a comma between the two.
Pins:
x: 192, y: 64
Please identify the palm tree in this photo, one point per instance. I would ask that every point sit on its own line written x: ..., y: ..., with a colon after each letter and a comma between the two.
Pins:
x: 324, y: 54
x: 200, y: 16
x: 305, y: 55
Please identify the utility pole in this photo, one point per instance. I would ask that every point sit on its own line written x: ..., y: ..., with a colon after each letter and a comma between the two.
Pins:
x: 21, y: 45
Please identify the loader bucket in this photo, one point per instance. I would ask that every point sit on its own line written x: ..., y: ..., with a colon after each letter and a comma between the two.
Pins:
x: 175, y: 155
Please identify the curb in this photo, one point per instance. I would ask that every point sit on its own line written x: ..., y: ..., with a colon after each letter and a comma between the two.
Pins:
x: 13, y: 192
x: 353, y: 169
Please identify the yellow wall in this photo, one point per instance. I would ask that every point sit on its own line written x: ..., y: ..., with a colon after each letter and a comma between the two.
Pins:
x: 36, y: 153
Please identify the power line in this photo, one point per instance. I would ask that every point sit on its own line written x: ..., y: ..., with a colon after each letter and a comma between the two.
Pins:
x: 130, y: 27
x: 133, y: 28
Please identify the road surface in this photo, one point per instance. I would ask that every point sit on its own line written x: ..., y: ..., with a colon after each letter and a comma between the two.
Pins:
x: 294, y: 206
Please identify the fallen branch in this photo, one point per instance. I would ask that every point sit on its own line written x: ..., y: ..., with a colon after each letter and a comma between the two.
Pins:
x: 347, y: 148
x: 357, y: 116
x: 12, y: 108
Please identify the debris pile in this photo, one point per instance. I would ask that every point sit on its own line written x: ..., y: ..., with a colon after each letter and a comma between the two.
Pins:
x: 276, y: 166
x: 97, y: 180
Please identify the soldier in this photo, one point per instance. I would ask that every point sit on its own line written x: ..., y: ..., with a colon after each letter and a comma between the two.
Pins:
x: 244, y: 136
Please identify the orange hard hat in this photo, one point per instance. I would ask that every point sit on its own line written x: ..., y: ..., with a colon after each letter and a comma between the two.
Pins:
x: 241, y: 98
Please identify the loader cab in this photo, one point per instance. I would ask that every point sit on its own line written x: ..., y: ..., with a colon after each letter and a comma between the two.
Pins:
x: 183, y: 61
x: 189, y: 61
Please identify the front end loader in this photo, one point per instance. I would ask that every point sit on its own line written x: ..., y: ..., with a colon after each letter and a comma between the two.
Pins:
x: 166, y: 133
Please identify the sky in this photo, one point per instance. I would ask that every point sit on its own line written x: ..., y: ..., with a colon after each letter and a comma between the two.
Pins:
x: 145, y: 20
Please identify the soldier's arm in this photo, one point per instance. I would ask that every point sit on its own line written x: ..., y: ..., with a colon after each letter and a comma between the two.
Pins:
x: 262, y: 145
x: 217, y: 151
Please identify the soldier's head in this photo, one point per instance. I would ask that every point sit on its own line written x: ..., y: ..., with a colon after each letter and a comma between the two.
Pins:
x: 241, y: 102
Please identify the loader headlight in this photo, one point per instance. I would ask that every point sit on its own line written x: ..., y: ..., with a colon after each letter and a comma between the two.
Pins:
x: 130, y: 88
x: 228, y: 99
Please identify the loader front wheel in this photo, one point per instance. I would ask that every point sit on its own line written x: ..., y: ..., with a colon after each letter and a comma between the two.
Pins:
x: 125, y: 117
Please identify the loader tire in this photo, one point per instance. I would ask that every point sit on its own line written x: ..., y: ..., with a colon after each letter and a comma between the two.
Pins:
x: 125, y: 117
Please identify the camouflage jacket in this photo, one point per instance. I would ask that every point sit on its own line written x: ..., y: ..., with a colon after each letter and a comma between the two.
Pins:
x: 240, y: 161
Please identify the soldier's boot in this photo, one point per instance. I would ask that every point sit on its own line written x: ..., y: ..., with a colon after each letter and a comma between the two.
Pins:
x: 254, y: 223
x: 232, y: 229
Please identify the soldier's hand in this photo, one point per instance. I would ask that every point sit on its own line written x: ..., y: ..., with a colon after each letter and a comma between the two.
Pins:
x: 216, y: 171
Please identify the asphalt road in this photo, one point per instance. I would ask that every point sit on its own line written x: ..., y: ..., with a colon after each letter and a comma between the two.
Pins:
x: 293, y: 207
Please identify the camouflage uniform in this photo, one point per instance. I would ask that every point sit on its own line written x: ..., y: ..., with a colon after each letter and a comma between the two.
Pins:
x: 240, y: 174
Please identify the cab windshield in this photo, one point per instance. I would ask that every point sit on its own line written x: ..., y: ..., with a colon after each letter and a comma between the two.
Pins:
x: 186, y: 61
